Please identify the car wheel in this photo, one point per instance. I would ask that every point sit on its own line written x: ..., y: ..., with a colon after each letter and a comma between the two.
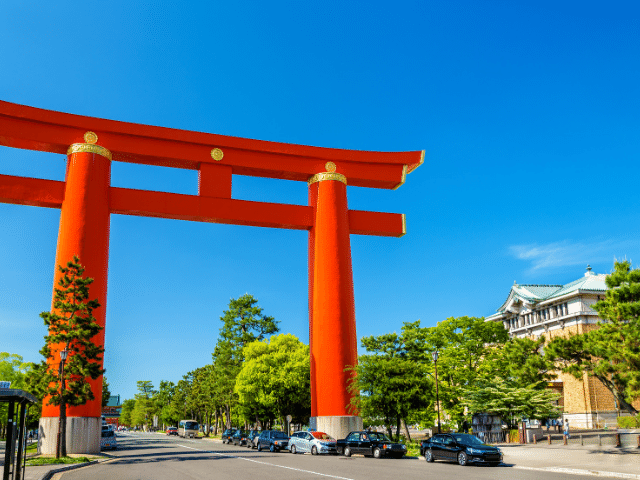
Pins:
x: 347, y: 452
x: 259, y: 447
x: 293, y: 449
x: 428, y: 456
x: 462, y: 458
x: 377, y: 453
x: 272, y: 448
x: 314, y: 450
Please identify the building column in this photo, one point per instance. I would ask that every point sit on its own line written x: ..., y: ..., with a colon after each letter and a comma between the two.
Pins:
x: 84, y: 232
x: 332, y: 335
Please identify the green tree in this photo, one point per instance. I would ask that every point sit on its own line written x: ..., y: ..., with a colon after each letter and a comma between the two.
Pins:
x: 275, y: 379
x: 12, y: 369
x: 126, y: 413
x: 464, y: 345
x: 521, y: 362
x: 392, y: 382
x: 144, y: 408
x: 106, y: 393
x: 512, y: 403
x: 163, y: 403
x: 244, y: 322
x: 71, y: 328
x: 612, y: 352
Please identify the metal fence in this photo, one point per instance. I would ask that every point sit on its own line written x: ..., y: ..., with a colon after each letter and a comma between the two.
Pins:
x: 595, y: 439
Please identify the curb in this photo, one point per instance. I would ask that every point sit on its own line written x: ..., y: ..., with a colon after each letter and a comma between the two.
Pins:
x: 48, y: 475
x: 53, y: 471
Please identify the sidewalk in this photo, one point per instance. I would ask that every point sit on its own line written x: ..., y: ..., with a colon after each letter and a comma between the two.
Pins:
x: 587, y: 460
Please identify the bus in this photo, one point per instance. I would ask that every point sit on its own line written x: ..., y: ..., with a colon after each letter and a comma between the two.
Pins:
x: 188, y: 428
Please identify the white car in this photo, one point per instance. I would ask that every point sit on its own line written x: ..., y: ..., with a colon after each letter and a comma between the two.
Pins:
x: 313, y: 442
x: 108, y: 438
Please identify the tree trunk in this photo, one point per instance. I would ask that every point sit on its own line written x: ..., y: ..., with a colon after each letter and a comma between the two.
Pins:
x: 227, y: 414
x: 398, y: 420
x: 622, y: 403
x: 406, y: 430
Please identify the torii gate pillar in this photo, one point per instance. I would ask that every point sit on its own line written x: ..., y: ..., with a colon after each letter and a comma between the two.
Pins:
x: 84, y: 231
x: 332, y: 322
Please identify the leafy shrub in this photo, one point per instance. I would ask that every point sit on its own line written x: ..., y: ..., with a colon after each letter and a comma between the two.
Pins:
x: 629, y: 422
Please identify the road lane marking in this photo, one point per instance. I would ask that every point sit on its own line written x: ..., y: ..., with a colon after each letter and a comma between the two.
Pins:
x: 266, y: 463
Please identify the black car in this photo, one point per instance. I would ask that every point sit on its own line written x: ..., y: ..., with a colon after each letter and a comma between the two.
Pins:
x: 460, y: 447
x: 239, y: 437
x: 371, y: 444
x: 274, y: 440
x: 252, y: 438
x: 228, y: 433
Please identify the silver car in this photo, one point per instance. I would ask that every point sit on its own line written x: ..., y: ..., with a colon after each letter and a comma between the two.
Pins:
x: 314, y: 442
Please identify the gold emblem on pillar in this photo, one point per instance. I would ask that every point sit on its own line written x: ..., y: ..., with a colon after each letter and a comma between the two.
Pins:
x: 90, y: 137
x: 89, y: 147
x: 217, y: 154
x: 330, y: 167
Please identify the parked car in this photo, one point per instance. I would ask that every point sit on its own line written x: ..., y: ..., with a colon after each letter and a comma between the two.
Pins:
x: 274, y: 440
x: 314, y: 442
x: 252, y: 438
x: 370, y: 444
x: 460, y: 447
x: 172, y: 431
x: 108, y: 439
x: 239, y: 437
x: 228, y: 433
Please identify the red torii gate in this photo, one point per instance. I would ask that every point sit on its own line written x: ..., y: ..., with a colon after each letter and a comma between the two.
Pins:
x: 87, y: 200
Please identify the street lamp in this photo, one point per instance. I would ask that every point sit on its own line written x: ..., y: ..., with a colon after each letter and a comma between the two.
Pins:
x: 61, y: 449
x: 434, y: 355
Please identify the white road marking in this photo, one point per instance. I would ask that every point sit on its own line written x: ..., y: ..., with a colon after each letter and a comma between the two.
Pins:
x: 266, y: 463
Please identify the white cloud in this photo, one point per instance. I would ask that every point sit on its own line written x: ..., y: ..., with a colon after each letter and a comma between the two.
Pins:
x: 567, y: 253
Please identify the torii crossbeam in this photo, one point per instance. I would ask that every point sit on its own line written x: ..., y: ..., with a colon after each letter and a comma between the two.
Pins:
x: 87, y: 200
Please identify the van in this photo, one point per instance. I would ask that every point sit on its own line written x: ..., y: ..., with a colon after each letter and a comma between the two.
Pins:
x: 188, y: 428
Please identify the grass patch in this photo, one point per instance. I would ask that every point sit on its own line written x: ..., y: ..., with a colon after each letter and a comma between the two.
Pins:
x: 413, y: 449
x: 32, y: 447
x: 36, y: 462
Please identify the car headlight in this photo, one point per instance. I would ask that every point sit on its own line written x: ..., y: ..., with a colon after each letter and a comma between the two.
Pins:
x: 276, y: 442
x: 404, y: 447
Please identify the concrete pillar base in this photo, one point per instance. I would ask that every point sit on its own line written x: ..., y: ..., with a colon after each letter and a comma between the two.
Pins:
x: 83, y: 435
x: 336, y: 426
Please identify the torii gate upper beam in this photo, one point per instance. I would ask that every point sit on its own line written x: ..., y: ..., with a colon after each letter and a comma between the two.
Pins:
x: 45, y: 130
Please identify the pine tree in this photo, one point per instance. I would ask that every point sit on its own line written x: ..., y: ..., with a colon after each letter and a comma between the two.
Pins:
x: 243, y: 323
x: 612, y: 352
x: 71, y: 327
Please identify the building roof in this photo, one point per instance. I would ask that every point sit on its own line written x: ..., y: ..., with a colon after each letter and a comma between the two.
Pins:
x: 114, y: 401
x: 534, y: 294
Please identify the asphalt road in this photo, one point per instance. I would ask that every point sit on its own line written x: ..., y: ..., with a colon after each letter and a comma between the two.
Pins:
x: 152, y: 456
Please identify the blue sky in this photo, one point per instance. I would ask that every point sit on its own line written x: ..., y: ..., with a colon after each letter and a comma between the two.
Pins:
x: 528, y: 113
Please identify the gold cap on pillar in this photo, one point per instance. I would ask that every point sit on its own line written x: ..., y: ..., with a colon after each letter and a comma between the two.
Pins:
x: 90, y: 147
x: 330, y: 174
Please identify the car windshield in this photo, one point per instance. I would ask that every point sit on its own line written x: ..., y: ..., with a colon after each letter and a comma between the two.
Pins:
x: 468, y: 439
x: 107, y: 433
x: 279, y: 435
x: 322, y: 436
x: 191, y: 425
x: 380, y: 437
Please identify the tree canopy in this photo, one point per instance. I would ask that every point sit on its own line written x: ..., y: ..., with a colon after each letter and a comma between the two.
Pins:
x: 274, y: 380
x: 610, y: 353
